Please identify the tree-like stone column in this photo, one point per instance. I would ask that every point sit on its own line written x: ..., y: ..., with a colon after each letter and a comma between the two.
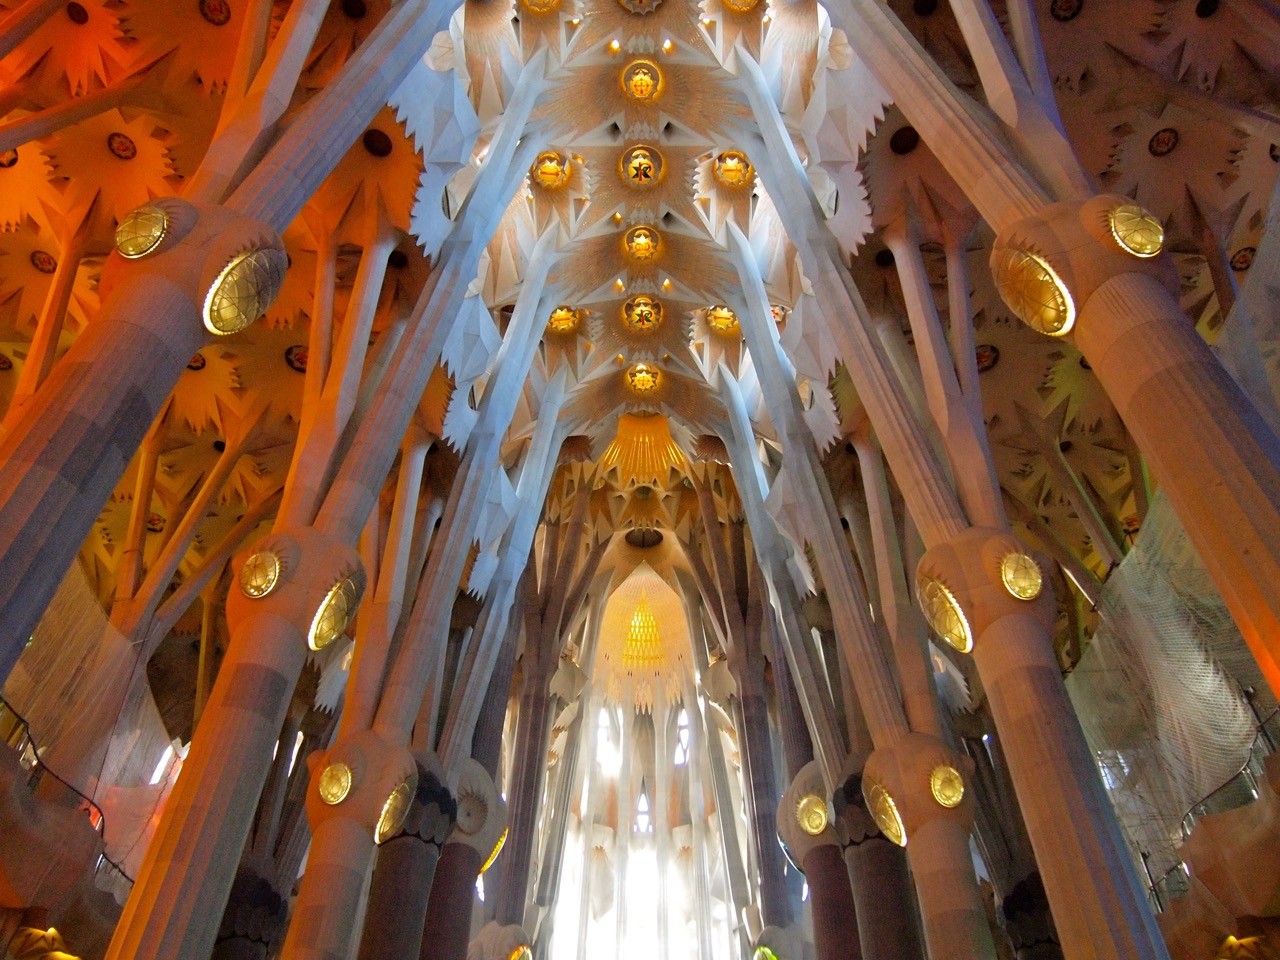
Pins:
x: 1098, y: 266
x: 184, y: 281
x: 177, y: 899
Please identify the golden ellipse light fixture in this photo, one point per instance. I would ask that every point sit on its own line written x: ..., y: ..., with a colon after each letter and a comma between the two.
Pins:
x: 741, y: 6
x: 243, y: 291
x: 943, y: 613
x: 947, y: 785
x: 732, y: 169
x: 541, y: 6
x: 260, y: 574
x: 1021, y: 575
x: 641, y: 166
x: 336, y: 610
x: 721, y: 319
x: 1136, y: 230
x: 643, y: 313
x: 1033, y: 291
x: 563, y: 320
x: 393, y: 813
x: 335, y: 783
x: 551, y: 170
x: 884, y: 811
x: 141, y: 231
x: 643, y: 378
x: 811, y: 814
x: 643, y: 243
x: 497, y: 849
x: 642, y: 81
x: 522, y: 952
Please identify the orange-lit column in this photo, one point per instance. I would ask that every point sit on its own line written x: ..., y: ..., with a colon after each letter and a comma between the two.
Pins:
x: 69, y: 445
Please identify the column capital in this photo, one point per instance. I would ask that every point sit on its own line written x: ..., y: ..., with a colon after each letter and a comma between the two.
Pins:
x: 980, y: 576
x: 1047, y: 266
x: 916, y: 781
x: 434, y: 810
x: 231, y: 265
x: 302, y: 576
x: 482, y: 813
x: 804, y: 815
x: 365, y: 779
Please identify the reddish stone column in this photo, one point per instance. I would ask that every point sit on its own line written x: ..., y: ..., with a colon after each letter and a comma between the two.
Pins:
x: 448, y: 927
x: 835, y: 917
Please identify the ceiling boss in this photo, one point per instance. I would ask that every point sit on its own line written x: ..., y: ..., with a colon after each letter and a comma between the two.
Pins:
x: 642, y: 313
x: 551, y: 170
x: 641, y: 166
x: 642, y: 81
x: 733, y: 170
x: 643, y: 244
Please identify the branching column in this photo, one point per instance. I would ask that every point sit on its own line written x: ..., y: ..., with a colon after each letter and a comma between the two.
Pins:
x: 304, y: 591
x: 898, y: 777
x: 1099, y: 905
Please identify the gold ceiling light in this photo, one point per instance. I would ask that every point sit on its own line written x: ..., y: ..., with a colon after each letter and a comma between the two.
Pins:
x: 1033, y: 291
x: 741, y: 6
x: 393, y: 813
x: 1021, y: 575
x: 947, y: 785
x: 1136, y: 230
x: 811, y: 814
x: 643, y: 244
x: 541, y: 6
x: 336, y: 610
x: 721, y: 319
x: 260, y: 574
x: 642, y: 313
x: 643, y: 450
x: 733, y: 170
x: 243, y: 291
x: 642, y: 81
x: 643, y: 647
x: 335, y: 783
x: 563, y: 320
x: 884, y: 811
x: 643, y: 378
x: 943, y: 613
x: 141, y: 231
x: 551, y: 170
x: 641, y: 166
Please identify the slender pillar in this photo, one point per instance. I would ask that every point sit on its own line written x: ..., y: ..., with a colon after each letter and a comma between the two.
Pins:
x: 405, y: 872
x: 761, y: 789
x: 447, y: 930
x: 835, y: 915
x: 533, y: 727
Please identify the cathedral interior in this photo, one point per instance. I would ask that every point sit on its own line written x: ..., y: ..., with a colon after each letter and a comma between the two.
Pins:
x: 617, y: 479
